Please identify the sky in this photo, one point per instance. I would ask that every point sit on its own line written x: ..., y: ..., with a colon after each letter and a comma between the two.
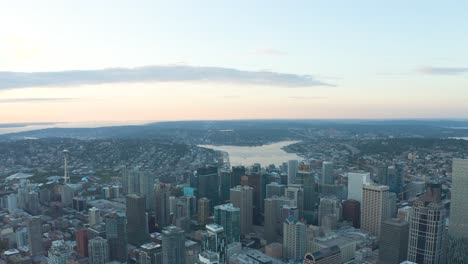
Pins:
x: 76, y: 61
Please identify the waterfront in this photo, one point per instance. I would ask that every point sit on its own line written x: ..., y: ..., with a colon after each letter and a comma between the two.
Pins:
x: 265, y: 154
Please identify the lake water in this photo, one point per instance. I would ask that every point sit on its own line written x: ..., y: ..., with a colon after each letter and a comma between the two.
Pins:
x: 265, y: 155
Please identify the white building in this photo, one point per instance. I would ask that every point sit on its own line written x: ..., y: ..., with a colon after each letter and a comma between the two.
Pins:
x: 355, y: 183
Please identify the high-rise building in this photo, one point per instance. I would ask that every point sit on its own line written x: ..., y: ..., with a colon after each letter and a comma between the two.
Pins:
x: 331, y: 255
x: 131, y: 181
x: 374, y: 207
x: 292, y: 170
x: 273, y: 221
x: 310, y: 195
x: 296, y: 193
x: 294, y: 239
x: 225, y: 180
x: 150, y: 253
x: 355, y: 183
x: 352, y: 212
x: 162, y: 205
x: 237, y: 173
x: 274, y: 188
x: 393, y: 245
x: 94, y: 216
x: 427, y: 230
x: 329, y: 207
x: 395, y: 175
x: 255, y: 181
x: 137, y: 220
x: 12, y: 203
x: 228, y: 216
x: 327, y: 173
x: 203, y: 210
x: 58, y: 253
x: 242, y: 198
x: 146, y: 189
x: 458, y: 227
x: 208, y: 184
x: 173, y: 245
x: 34, y: 225
x: 79, y: 203
x: 214, y: 240
x: 67, y: 194
x: 116, y: 234
x: 82, y: 242
x: 98, y: 249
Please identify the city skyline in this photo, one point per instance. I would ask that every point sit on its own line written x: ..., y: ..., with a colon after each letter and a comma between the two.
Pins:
x: 68, y: 61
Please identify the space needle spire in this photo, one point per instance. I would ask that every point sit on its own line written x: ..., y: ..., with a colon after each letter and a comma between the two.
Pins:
x: 66, y: 176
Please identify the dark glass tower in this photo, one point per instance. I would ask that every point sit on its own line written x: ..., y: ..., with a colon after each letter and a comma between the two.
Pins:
x: 136, y: 226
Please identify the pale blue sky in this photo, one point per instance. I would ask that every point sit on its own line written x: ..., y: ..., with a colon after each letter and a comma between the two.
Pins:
x: 388, y: 59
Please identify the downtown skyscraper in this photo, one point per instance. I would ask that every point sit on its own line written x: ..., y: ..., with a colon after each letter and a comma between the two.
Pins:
x: 137, y: 220
x: 242, y: 198
x: 458, y: 227
x: 427, y: 228
x: 375, y: 207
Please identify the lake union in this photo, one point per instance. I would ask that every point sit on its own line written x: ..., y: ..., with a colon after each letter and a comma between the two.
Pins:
x: 265, y: 155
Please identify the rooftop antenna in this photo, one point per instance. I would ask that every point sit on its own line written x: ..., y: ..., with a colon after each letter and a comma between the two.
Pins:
x: 66, y: 176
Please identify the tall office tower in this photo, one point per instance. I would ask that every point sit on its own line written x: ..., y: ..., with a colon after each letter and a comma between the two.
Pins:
x: 395, y: 178
x: 310, y: 195
x: 33, y: 203
x: 374, y: 207
x: 203, y: 210
x: 329, y: 206
x: 208, y: 184
x: 12, y: 203
x: 273, y: 221
x: 274, y: 189
x: 98, y: 249
x: 427, y: 230
x: 237, y: 173
x: 173, y: 245
x: 327, y: 173
x: 150, y: 253
x: 35, y: 236
x: 162, y: 205
x: 382, y: 174
x: 294, y: 239
x: 393, y: 245
x: 23, y: 190
x: 82, y: 242
x: 256, y: 182
x: 355, y: 183
x: 124, y: 178
x: 58, y: 253
x: 225, y: 179
x: 67, y: 194
x: 147, y: 189
x: 214, y: 240
x: 242, y: 198
x: 458, y: 227
x: 132, y: 181
x: 116, y: 234
x: 392, y: 205
x: 296, y: 193
x: 94, y: 216
x: 352, y: 212
x: 228, y: 216
x: 137, y: 220
x: 292, y: 170
x: 21, y: 237
x: 331, y: 255
x: 79, y: 203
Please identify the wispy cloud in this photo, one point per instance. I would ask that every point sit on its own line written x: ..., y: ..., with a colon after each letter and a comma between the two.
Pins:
x: 444, y: 70
x: 168, y: 73
x: 307, y: 97
x: 34, y: 100
x: 270, y: 52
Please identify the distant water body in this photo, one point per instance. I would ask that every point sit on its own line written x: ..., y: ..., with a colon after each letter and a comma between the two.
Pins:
x: 265, y: 155
x: 465, y: 138
x: 14, y: 128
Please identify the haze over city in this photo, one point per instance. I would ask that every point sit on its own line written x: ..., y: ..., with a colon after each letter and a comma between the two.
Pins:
x: 79, y: 61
